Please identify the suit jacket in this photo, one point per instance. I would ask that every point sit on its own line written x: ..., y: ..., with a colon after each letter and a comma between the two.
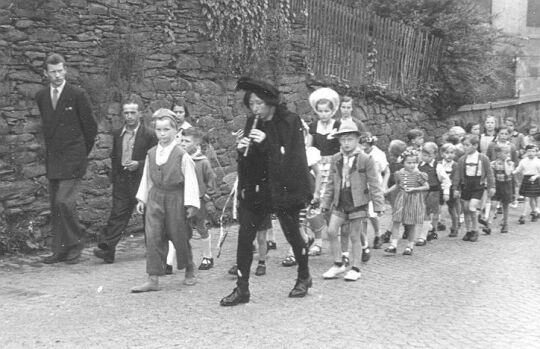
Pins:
x: 144, y: 140
x: 69, y: 132
x: 365, y: 184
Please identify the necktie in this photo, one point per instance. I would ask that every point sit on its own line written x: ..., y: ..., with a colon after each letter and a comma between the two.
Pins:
x: 54, y: 98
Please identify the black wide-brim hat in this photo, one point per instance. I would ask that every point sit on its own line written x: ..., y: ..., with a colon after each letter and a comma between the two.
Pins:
x: 265, y: 91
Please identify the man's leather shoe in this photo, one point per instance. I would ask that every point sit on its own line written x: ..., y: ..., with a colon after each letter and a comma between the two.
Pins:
x: 107, y: 255
x: 236, y: 297
x: 301, y: 287
x: 54, y: 258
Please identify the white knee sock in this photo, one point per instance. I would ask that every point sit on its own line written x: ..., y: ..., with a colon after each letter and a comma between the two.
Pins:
x: 171, y: 256
x: 207, y: 247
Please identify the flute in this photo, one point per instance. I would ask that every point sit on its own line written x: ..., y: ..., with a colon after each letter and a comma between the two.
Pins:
x: 254, y: 126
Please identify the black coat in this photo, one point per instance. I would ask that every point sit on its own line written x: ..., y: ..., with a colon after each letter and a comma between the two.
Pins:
x: 69, y: 132
x: 144, y: 140
x: 278, y: 165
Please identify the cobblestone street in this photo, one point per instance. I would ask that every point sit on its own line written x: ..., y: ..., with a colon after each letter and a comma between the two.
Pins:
x: 450, y: 294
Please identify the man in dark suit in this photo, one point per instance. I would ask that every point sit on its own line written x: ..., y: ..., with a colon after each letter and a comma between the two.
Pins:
x: 130, y: 144
x: 69, y: 130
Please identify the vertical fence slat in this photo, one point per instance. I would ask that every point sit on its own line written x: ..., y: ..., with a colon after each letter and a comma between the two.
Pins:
x: 340, y: 38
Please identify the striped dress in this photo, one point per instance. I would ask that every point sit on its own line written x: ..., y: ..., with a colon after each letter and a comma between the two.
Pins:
x: 409, y: 208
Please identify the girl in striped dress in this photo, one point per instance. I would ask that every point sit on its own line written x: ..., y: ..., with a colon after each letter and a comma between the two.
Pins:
x: 409, y: 205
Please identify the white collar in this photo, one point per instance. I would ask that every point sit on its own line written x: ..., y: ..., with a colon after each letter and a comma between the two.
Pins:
x: 124, y: 129
x: 168, y: 147
x: 59, y: 88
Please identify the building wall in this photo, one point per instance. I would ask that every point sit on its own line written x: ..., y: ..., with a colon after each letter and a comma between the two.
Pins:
x: 511, y: 17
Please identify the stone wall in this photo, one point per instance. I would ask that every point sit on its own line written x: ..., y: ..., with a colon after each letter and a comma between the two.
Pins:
x: 176, y: 62
x: 170, y: 58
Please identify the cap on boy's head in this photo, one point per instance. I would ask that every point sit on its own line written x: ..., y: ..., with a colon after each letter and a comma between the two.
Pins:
x: 164, y: 113
x: 347, y: 127
x: 265, y: 91
x: 324, y: 93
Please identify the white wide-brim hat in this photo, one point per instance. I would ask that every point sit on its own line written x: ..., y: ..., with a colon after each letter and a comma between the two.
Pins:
x: 327, y: 94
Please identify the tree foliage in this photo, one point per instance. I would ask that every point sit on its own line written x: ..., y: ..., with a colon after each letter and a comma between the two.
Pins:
x: 474, y: 67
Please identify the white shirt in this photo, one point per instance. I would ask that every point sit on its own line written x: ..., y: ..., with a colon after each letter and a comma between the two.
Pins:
x: 59, y: 88
x: 473, y: 159
x: 191, y: 186
x: 327, y: 128
x: 529, y: 167
x: 313, y: 156
x: 441, y: 175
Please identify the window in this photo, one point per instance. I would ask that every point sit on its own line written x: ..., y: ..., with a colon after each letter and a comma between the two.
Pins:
x: 533, y: 13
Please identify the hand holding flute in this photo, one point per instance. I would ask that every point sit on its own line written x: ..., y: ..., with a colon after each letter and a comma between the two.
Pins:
x: 255, y: 135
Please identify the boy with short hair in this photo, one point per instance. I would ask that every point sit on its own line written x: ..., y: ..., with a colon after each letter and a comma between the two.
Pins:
x: 191, y: 140
x: 438, y: 181
x: 169, y: 196
x: 352, y: 184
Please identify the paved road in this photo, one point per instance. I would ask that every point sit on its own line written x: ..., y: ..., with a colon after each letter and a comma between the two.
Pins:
x: 450, y: 294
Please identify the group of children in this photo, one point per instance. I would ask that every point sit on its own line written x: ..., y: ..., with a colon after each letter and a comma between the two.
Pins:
x: 352, y: 181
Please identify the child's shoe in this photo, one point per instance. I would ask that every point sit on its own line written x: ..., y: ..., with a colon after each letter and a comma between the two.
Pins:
x: 487, y: 230
x: 474, y: 236
x: 391, y: 249
x: 534, y: 217
x: 334, y: 271
x: 482, y: 221
x: 521, y: 220
x: 432, y: 235
x: 386, y: 236
x: 189, y: 278
x: 271, y: 245
x: 420, y: 242
x: 453, y: 233
x: 168, y: 269
x: 151, y: 285
x: 345, y: 259
x: 408, y: 251
x: 504, y: 229
x: 315, y: 250
x: 207, y: 263
x: 467, y: 236
x: 352, y: 275
x: 441, y: 226
x: 289, y: 261
x: 261, y: 270
x: 233, y: 270
x: 366, y: 254
x: 377, y: 242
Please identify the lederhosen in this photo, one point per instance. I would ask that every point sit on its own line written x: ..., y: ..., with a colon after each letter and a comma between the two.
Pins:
x: 472, y: 187
x: 504, y: 189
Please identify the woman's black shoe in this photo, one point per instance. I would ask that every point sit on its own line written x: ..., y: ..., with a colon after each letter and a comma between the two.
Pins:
x: 301, y: 287
x: 235, y: 298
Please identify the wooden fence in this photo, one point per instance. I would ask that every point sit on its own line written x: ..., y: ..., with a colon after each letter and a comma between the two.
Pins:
x: 360, y: 47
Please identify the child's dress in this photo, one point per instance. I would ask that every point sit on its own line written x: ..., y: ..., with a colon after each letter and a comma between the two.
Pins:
x: 327, y: 145
x: 409, y: 208
x: 529, y: 168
